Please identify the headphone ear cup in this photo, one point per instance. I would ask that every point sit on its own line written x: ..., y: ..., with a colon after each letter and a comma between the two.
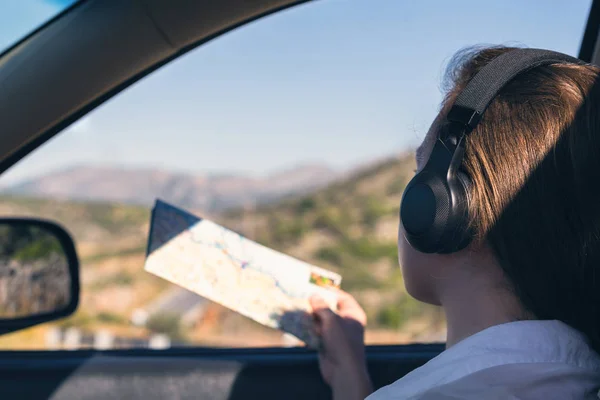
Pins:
x: 461, y: 234
x: 425, y: 211
x: 434, y: 208
x: 465, y: 182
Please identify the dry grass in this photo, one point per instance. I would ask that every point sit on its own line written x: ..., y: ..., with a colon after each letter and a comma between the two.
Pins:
x: 111, y: 242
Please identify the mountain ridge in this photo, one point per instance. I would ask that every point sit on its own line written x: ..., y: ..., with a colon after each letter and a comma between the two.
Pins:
x: 207, y: 192
x: 349, y: 226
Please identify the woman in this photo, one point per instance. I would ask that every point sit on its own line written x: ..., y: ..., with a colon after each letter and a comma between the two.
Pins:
x: 522, y: 300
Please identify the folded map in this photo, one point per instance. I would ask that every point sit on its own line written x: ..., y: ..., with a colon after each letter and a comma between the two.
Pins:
x: 223, y: 266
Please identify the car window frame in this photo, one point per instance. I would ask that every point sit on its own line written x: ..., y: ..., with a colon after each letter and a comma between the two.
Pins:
x: 588, y: 52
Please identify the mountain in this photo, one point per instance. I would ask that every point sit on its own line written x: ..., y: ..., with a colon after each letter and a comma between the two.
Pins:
x: 141, y: 186
x: 349, y: 226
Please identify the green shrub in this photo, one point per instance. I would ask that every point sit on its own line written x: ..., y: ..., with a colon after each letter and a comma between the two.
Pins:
x: 370, y: 250
x: 356, y: 276
x: 331, y: 255
x: 288, y: 232
x: 121, y: 278
x: 27, y: 243
x: 38, y: 249
x: 410, y: 307
x: 396, y: 314
x: 112, y: 254
x: 373, y: 210
x: 390, y: 317
x: 397, y: 185
x: 362, y: 249
x: 334, y: 219
x: 110, y: 318
x: 78, y: 320
x: 296, y: 230
x: 375, y: 170
x: 116, y: 218
x: 306, y: 204
x: 168, y: 324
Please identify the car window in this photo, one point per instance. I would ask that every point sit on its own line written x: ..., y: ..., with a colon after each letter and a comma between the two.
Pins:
x: 296, y: 130
x: 19, y: 18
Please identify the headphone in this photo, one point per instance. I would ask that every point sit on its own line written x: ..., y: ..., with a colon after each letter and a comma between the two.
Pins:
x: 434, y: 209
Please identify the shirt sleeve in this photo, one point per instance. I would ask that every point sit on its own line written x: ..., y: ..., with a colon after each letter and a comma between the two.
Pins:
x: 457, y: 392
x: 525, y: 381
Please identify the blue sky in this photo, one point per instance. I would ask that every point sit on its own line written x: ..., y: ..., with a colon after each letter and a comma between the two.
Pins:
x: 333, y: 81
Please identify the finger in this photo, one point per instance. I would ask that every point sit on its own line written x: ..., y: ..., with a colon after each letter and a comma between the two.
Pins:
x: 318, y: 328
x: 317, y: 303
x: 322, y: 313
x: 348, y: 307
x: 345, y: 301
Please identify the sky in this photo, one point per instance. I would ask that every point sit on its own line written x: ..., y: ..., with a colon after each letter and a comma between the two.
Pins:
x: 338, y: 82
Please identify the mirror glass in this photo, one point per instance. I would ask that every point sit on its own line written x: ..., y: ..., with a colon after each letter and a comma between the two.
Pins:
x: 34, y: 271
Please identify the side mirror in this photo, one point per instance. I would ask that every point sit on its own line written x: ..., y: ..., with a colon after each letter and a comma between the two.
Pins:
x: 39, y: 273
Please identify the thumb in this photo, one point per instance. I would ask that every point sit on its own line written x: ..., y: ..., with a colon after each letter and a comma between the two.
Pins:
x: 317, y: 303
x: 321, y: 310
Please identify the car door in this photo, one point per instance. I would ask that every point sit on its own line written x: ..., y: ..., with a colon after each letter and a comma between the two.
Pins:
x: 290, y: 123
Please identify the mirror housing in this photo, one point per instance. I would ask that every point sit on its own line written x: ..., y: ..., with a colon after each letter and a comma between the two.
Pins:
x: 36, y: 258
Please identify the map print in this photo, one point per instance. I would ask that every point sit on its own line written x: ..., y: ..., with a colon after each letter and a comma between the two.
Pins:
x: 223, y: 266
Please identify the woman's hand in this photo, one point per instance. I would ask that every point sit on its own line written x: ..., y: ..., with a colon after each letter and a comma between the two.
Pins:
x: 342, y: 357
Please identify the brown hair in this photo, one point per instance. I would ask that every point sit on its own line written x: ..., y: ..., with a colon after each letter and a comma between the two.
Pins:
x: 534, y: 163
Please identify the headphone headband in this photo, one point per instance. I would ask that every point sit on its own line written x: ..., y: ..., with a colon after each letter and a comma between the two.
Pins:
x: 475, y: 98
x: 434, y: 208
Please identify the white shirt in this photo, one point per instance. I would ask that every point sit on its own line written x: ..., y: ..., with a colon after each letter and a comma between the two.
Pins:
x: 524, y: 360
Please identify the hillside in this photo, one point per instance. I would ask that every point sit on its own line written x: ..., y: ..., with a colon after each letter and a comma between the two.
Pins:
x: 349, y: 226
x: 204, y: 192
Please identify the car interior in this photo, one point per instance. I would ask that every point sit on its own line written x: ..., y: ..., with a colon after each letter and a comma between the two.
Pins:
x: 63, y: 70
